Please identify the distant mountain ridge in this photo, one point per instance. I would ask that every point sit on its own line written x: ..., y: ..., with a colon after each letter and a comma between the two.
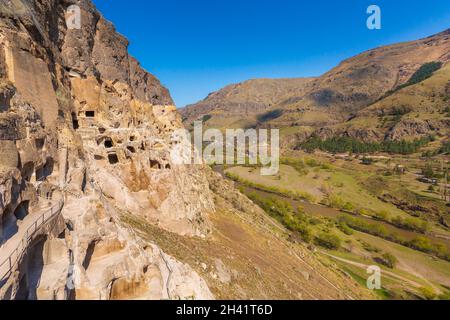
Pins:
x: 326, y: 103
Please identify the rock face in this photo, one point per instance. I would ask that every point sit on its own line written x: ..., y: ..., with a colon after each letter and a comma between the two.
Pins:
x: 245, y: 100
x: 82, y: 123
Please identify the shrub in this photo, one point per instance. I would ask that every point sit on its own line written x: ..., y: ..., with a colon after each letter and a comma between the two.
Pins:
x: 206, y: 117
x: 428, y: 171
x: 389, y: 260
x: 348, y: 207
x: 328, y: 241
x: 346, y: 144
x: 381, y: 215
x: 411, y: 224
x: 424, y: 72
x: 284, y: 213
x: 445, y: 149
x: 370, y: 248
x: 312, y: 163
x: 345, y: 228
x: 428, y: 293
x: 270, y: 115
x: 339, y: 203
x: 297, y: 164
x: 421, y: 243
x: 367, y: 161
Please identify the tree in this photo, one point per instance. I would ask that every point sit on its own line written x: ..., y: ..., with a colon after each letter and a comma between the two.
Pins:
x: 428, y: 293
x: 328, y: 241
x: 389, y: 260
x: 428, y: 171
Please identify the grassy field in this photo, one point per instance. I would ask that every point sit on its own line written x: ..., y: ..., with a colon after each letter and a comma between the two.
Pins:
x: 358, y: 189
x: 321, y: 182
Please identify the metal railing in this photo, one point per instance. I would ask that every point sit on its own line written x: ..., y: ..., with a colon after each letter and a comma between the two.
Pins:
x: 8, y: 264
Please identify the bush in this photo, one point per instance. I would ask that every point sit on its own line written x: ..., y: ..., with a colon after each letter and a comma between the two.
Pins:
x: 411, y: 224
x: 270, y: 115
x: 445, y: 296
x: 328, y: 241
x: 422, y: 244
x: 370, y: 248
x: 424, y: 72
x: 346, y: 144
x: 367, y: 161
x: 445, y: 149
x: 345, y: 228
x: 339, y: 203
x: 292, y: 194
x: 283, y: 212
x: 389, y: 260
x: 428, y: 171
x: 382, y: 215
x: 312, y: 163
x: 428, y: 293
x: 297, y: 164
x: 206, y: 117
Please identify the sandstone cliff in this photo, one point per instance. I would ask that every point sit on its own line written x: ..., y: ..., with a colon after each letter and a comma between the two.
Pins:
x: 83, y: 123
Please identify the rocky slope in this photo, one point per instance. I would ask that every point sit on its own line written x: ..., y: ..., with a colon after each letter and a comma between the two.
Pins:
x: 92, y: 205
x: 237, y: 105
x: 343, y: 93
x: 83, y: 123
x: 413, y: 112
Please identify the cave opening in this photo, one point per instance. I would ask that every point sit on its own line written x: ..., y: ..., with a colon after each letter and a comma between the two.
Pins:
x: 31, y: 271
x: 154, y: 164
x: 112, y: 158
x: 75, y: 123
x: 48, y: 167
x: 9, y: 225
x: 39, y: 143
x: 22, y: 210
x: 27, y: 171
x: 88, y: 257
x: 89, y: 114
x: 40, y: 174
x: 46, y: 170
x: 109, y: 143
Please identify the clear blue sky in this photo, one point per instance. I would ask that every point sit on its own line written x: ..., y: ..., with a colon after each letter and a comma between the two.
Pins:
x: 198, y: 46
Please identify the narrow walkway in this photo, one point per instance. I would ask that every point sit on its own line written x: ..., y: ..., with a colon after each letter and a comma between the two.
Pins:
x: 13, y: 249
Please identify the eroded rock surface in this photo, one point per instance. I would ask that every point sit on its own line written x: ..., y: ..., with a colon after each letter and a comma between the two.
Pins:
x: 82, y: 123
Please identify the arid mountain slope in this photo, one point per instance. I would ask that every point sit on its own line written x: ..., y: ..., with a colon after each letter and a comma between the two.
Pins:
x: 243, y: 101
x: 330, y: 99
x: 413, y: 112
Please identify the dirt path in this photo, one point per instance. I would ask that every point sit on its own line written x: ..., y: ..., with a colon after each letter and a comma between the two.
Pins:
x: 383, y: 272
